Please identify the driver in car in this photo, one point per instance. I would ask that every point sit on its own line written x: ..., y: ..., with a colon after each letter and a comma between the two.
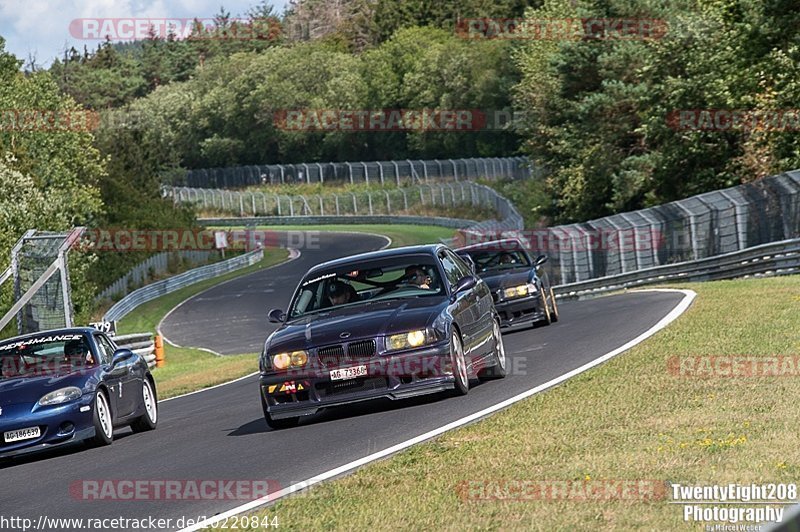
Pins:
x: 339, y: 293
x: 77, y: 353
x: 417, y: 277
x: 507, y: 258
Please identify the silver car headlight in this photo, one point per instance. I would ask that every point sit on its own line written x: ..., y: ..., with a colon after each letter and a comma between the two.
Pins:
x: 64, y: 395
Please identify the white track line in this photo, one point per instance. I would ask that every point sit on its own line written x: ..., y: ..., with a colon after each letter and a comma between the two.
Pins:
x: 689, y: 296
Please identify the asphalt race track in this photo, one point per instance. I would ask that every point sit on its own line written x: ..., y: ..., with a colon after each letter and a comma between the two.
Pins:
x: 219, y: 434
x: 231, y: 318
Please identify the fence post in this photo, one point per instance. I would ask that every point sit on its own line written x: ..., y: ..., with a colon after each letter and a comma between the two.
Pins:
x: 321, y: 173
x: 380, y: 168
x: 369, y: 200
x: 405, y: 199
x: 396, y: 172
x: 366, y: 172
x: 388, y: 203
x: 425, y: 170
x: 350, y: 170
x: 336, y: 197
x: 455, y: 169
x: 355, y: 203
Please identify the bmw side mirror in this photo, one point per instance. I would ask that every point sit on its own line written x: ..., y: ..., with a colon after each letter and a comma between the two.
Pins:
x: 465, y: 283
x: 276, y: 315
x: 541, y: 259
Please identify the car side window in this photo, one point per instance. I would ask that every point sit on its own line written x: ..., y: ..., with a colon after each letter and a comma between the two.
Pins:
x: 460, y: 263
x: 105, y: 347
x: 451, y: 269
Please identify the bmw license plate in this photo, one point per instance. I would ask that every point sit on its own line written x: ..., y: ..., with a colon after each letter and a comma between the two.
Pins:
x: 21, y: 434
x: 348, y: 373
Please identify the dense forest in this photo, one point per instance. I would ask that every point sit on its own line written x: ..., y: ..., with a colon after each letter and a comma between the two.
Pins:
x: 591, y: 108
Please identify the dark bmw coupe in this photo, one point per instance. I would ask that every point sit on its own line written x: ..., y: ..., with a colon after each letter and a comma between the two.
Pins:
x: 520, y: 286
x: 69, y: 385
x: 388, y: 324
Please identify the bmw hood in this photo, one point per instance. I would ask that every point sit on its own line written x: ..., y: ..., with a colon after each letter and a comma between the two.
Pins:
x: 499, y: 279
x: 28, y: 390
x: 366, y: 320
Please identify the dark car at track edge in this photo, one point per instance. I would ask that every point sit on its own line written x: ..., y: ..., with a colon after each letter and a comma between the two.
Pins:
x: 70, y: 385
x: 393, y: 324
x: 519, y: 284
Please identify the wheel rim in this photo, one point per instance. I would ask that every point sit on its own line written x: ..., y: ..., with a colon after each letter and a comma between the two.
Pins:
x: 104, y: 415
x: 546, y: 307
x: 460, y: 363
x: 501, y: 349
x: 149, y: 404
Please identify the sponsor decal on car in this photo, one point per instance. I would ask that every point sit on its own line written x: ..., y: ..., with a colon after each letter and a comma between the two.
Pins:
x: 288, y: 387
x: 41, y: 340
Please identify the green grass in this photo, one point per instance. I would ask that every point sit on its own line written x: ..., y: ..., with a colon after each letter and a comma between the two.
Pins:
x: 630, y: 418
x: 187, y: 369
x: 401, y: 234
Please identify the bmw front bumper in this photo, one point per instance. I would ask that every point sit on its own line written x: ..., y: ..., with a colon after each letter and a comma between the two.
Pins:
x: 520, y: 310
x: 397, y: 376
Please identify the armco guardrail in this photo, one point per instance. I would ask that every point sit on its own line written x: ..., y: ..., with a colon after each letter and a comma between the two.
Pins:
x: 775, y: 258
x: 160, y: 288
x: 397, y: 201
x: 396, y: 172
x: 157, y: 264
x: 455, y: 223
x: 141, y: 343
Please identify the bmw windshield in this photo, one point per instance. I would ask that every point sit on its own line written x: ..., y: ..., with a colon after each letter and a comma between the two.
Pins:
x: 357, y: 283
x: 490, y: 260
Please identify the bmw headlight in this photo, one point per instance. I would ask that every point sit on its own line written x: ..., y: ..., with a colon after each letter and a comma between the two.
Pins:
x: 410, y: 340
x: 293, y: 359
x: 519, y: 291
x: 64, y: 395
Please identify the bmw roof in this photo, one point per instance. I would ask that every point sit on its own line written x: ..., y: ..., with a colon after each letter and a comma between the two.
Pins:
x: 425, y: 249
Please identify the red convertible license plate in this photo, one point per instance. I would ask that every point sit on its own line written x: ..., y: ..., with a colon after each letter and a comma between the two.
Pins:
x: 348, y: 373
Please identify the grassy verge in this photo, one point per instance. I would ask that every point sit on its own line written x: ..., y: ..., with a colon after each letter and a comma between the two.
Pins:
x: 630, y: 418
x: 188, y: 369
x: 401, y: 234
